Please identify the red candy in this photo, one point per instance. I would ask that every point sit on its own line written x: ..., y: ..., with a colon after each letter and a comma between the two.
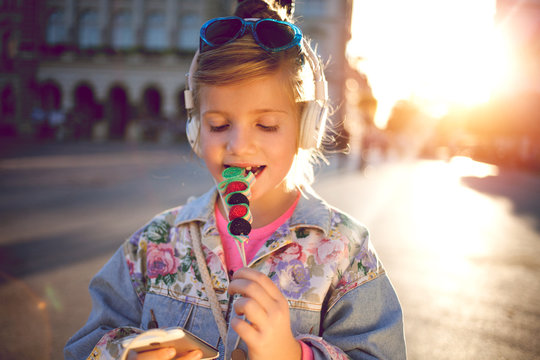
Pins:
x: 237, y: 211
x: 235, y: 186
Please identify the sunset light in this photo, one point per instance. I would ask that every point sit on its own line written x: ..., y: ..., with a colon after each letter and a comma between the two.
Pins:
x: 437, y: 53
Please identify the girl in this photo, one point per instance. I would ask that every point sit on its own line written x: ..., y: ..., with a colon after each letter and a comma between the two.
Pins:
x: 313, y: 287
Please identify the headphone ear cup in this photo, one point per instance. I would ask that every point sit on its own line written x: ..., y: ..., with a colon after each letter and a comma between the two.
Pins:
x: 312, y: 125
x: 192, y: 133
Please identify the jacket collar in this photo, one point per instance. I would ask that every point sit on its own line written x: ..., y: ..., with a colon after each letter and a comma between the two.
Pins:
x: 199, y: 209
x: 311, y: 211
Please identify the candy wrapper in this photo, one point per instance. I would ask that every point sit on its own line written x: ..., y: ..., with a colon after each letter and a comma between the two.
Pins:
x: 235, y: 191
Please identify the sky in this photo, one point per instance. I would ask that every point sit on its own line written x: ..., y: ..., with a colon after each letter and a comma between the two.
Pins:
x: 438, y: 53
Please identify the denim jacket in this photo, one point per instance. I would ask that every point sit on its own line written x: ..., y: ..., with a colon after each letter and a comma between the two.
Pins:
x: 341, y: 301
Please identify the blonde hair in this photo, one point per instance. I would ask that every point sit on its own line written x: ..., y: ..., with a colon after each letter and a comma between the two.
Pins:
x: 243, y: 60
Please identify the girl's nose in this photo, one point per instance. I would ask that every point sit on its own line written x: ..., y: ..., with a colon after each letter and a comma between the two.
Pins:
x: 240, y: 141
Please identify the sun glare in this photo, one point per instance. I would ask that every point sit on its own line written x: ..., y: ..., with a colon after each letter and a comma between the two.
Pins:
x: 438, y: 53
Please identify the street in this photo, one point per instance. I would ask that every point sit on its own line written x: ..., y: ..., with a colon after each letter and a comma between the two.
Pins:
x: 459, y: 239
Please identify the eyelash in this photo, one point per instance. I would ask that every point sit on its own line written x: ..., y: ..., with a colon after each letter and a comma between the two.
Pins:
x: 222, y: 128
x: 273, y: 128
x: 218, y: 128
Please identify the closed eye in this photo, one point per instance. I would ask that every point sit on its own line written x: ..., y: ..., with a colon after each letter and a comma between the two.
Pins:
x: 268, y: 128
x: 219, y: 128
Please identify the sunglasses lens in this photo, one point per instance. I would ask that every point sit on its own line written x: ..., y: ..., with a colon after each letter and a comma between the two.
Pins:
x: 220, y: 32
x: 274, y: 35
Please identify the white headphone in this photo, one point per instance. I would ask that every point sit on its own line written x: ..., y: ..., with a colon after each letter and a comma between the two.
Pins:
x: 312, y: 122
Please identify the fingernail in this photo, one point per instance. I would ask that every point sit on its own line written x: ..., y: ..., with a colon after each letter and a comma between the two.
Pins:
x: 171, y: 352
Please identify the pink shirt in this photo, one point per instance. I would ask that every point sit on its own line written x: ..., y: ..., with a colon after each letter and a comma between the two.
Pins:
x: 257, y: 237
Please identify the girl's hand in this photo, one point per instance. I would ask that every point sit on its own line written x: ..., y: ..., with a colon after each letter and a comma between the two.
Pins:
x: 164, y: 354
x: 267, y: 328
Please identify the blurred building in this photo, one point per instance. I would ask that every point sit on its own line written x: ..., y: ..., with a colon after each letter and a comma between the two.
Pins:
x: 111, y: 69
x: 512, y: 127
x: 519, y: 22
x: 505, y: 130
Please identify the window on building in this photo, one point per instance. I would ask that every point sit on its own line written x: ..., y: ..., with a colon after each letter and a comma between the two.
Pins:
x: 6, y: 48
x: 117, y: 112
x: 56, y: 30
x: 89, y: 30
x: 188, y: 37
x: 7, y: 103
x: 122, y: 31
x: 155, y: 33
x: 87, y: 113
x: 152, y: 102
x: 51, y: 96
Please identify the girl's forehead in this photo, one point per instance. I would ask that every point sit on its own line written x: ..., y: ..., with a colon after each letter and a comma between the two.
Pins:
x: 265, y: 92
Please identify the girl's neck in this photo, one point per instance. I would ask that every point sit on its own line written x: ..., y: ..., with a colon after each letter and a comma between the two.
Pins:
x: 267, y: 210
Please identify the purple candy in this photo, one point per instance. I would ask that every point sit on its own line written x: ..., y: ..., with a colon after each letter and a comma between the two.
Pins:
x: 237, y: 198
x: 239, y: 227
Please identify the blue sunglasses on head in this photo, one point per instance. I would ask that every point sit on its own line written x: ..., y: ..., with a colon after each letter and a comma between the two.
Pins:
x: 271, y: 35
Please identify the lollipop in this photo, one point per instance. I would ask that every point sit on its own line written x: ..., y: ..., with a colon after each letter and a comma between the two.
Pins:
x: 235, y: 192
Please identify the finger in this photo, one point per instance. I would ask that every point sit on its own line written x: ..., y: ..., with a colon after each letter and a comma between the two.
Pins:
x: 192, y: 355
x: 159, y: 354
x: 264, y: 281
x: 245, y: 330
x: 253, y: 290
x: 252, y: 311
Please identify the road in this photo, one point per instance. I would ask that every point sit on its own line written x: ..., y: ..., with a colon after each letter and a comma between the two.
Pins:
x: 459, y: 239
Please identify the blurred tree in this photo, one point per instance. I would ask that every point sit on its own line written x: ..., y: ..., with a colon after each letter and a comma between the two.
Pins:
x: 404, y: 117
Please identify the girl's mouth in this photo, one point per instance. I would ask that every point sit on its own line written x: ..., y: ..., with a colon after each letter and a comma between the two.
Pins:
x: 255, y: 170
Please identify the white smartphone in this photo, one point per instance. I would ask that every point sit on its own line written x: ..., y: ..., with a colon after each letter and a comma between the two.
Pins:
x: 182, y: 340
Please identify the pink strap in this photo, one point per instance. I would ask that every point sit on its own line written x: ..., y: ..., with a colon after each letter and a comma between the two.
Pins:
x: 307, y: 353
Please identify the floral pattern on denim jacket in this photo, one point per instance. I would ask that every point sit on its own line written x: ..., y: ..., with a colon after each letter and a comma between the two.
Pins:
x: 315, y: 259
x: 304, y: 263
